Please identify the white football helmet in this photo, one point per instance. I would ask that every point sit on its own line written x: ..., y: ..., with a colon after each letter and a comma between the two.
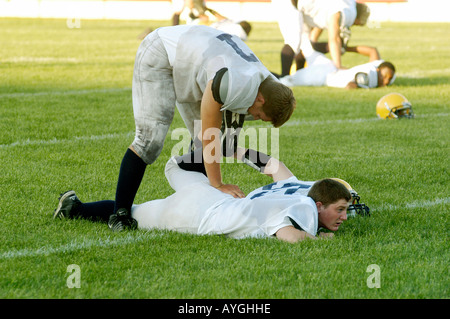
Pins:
x: 356, y: 207
x: 394, y: 106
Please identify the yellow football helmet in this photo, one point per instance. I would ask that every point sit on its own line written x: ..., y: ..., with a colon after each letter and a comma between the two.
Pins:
x: 393, y: 106
x: 355, y: 208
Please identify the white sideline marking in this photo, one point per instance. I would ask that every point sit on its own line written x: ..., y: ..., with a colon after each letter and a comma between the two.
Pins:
x: 342, y: 121
x: 261, y: 125
x: 39, y: 59
x: 424, y: 73
x: 74, y: 246
x: 415, y: 204
x: 72, y: 92
x: 72, y: 140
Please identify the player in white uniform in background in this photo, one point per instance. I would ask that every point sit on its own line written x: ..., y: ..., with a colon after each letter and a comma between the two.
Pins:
x: 208, y: 75
x: 239, y: 28
x: 196, y: 8
x: 321, y: 71
x: 288, y: 209
x: 296, y: 18
x: 200, y: 14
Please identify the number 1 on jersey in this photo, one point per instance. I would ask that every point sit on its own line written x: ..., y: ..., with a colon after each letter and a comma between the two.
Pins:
x: 247, y: 57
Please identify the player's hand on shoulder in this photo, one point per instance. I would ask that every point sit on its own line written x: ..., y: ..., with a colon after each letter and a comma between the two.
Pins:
x: 231, y: 189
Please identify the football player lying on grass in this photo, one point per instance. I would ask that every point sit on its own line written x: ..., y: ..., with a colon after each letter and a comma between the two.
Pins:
x: 320, y: 71
x: 289, y: 209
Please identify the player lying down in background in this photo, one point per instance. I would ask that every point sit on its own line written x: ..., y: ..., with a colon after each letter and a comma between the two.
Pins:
x: 288, y: 209
x: 321, y: 71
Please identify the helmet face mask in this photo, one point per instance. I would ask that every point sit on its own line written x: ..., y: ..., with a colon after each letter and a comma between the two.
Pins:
x: 404, y: 111
x: 362, y: 80
x: 394, y: 106
x: 357, y: 208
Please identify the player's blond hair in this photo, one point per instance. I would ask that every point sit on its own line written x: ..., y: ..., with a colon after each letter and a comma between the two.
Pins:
x: 279, y: 101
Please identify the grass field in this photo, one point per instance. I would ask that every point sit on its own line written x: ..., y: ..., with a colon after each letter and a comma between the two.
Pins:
x: 66, y: 120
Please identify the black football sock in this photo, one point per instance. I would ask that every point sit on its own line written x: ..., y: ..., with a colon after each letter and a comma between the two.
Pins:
x: 321, y: 47
x: 192, y: 161
x: 131, y: 173
x: 95, y: 211
x: 300, y: 61
x: 287, y: 57
x: 175, y: 19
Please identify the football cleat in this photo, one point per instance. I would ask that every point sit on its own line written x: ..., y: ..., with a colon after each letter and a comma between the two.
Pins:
x: 121, y: 220
x: 68, y: 203
x: 394, y: 106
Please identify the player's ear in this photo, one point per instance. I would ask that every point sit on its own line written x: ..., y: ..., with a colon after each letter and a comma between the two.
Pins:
x: 260, y: 98
x: 319, y: 206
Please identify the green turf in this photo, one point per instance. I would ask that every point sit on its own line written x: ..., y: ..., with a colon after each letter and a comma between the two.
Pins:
x: 66, y: 121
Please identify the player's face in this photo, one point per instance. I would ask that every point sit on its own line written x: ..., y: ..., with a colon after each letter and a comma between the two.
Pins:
x: 385, y: 76
x: 332, y: 216
x: 256, y: 110
x: 258, y: 114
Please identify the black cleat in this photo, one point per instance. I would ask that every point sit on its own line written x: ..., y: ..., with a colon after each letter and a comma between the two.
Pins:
x: 68, y: 202
x: 121, y: 220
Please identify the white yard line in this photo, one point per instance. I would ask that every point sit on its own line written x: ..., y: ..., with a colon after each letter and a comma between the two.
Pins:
x: 77, y: 245
x: 65, y: 92
x: 415, y: 204
x: 424, y: 73
x: 260, y: 124
x: 337, y: 121
x: 65, y: 141
x: 40, y: 59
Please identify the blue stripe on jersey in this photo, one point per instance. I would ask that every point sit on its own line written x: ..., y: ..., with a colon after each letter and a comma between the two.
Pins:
x: 289, y: 189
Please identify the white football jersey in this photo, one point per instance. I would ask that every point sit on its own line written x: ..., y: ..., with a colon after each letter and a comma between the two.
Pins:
x: 231, y: 27
x: 321, y: 71
x: 294, y: 22
x: 183, y: 210
x: 341, y: 78
x: 316, y: 72
x: 198, y: 208
x: 198, y: 52
x: 263, y: 212
x: 317, y: 12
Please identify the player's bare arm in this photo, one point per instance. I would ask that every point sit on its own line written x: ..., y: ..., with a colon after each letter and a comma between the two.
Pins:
x: 292, y: 234
x: 266, y: 164
x: 216, y: 14
x: 368, y: 51
x: 277, y: 170
x: 351, y: 85
x: 315, y: 34
x: 211, y: 118
x: 334, y: 40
